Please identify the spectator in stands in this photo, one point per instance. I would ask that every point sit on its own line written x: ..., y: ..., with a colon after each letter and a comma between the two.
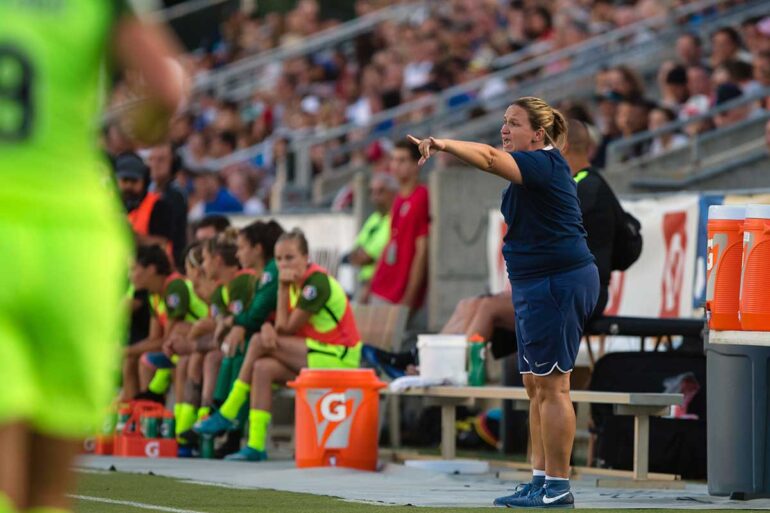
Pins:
x: 761, y: 68
x: 375, y: 233
x: 725, y: 45
x: 726, y: 93
x: 223, y: 144
x: 751, y: 34
x: 689, y: 50
x: 150, y: 215
x: 209, y: 227
x: 401, y: 273
x: 244, y: 185
x: 674, y: 89
x: 626, y: 82
x: 608, y: 102
x: 212, y: 197
x: 314, y: 327
x: 632, y: 118
x: 659, y: 117
x: 164, y: 164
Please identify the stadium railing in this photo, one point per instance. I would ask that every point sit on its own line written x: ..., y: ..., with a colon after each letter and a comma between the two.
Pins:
x: 703, y: 157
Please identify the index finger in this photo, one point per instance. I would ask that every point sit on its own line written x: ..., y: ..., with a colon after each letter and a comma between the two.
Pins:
x: 413, y: 139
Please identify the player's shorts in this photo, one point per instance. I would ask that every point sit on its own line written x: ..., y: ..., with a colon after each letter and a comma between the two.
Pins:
x: 62, y: 303
x: 332, y: 356
x: 550, y: 315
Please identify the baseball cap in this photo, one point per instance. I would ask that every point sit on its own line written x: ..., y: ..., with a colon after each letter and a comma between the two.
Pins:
x: 130, y: 166
x: 726, y: 92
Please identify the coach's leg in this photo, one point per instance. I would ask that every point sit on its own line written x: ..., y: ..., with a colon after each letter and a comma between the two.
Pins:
x: 557, y: 422
x: 535, y: 425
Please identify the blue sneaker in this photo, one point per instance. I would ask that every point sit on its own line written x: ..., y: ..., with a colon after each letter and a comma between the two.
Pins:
x: 543, y: 499
x: 379, y: 359
x: 247, y: 454
x: 520, y: 491
x: 184, y: 451
x: 214, y: 425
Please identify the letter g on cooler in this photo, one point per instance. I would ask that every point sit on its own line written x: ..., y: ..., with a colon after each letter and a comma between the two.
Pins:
x: 333, y: 407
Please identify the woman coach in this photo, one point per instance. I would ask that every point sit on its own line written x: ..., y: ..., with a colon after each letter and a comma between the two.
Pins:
x: 554, y: 281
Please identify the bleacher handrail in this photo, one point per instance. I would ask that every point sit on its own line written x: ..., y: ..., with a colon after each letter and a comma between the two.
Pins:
x: 616, y: 148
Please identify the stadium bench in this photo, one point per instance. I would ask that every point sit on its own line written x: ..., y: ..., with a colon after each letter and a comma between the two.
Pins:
x: 640, y: 405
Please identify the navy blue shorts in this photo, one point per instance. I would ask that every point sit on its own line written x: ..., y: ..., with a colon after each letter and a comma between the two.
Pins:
x: 550, y: 315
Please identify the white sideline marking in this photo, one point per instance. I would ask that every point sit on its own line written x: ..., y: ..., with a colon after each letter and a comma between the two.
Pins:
x: 139, y: 505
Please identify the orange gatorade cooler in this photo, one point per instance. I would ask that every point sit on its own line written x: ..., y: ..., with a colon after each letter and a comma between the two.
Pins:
x: 755, y: 278
x: 337, y: 418
x: 723, y: 268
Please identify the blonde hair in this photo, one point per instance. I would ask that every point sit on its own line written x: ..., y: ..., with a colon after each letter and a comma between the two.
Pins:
x: 225, y: 244
x: 296, y: 235
x: 542, y: 115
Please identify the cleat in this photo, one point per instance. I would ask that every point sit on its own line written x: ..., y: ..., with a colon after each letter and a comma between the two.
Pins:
x: 247, y: 454
x: 214, y: 425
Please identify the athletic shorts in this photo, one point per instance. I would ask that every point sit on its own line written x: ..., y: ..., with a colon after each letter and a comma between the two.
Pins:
x: 332, y: 356
x: 62, y: 305
x: 550, y: 315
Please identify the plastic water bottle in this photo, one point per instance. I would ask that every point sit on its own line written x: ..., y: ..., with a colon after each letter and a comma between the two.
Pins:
x: 477, y: 374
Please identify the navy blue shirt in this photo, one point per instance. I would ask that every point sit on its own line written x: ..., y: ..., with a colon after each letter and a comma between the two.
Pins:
x: 545, y: 227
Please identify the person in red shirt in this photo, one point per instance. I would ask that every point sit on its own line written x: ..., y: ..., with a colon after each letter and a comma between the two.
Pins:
x: 402, y: 271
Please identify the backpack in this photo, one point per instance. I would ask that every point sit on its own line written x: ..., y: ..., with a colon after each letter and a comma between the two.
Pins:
x: 627, y: 244
x: 627, y: 241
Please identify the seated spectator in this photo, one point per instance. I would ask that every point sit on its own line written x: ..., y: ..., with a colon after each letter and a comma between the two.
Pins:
x: 164, y: 164
x: 212, y: 196
x: 726, y: 93
x: 632, y: 118
x: 660, y: 117
x: 674, y: 90
x: 761, y: 68
x: 209, y: 227
x: 689, y: 49
x: 726, y: 45
x: 314, y: 327
x: 375, y: 233
x: 244, y: 184
x: 626, y: 82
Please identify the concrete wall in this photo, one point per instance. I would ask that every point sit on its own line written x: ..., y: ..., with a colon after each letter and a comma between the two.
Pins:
x: 460, y: 199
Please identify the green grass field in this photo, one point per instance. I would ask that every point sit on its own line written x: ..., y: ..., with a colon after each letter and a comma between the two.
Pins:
x: 136, y: 493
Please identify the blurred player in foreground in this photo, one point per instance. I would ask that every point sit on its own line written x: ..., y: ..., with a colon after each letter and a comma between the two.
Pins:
x: 61, y: 228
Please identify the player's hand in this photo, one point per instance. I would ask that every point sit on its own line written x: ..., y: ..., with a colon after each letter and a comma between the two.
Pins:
x: 233, y: 341
x: 287, y: 276
x: 269, y: 337
x: 428, y: 147
x: 168, y: 347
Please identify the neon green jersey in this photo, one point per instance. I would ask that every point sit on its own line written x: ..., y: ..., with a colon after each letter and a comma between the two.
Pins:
x: 52, y: 56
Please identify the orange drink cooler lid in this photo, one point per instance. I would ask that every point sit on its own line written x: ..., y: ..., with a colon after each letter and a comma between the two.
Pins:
x: 353, y: 378
x: 728, y: 212
x: 758, y: 212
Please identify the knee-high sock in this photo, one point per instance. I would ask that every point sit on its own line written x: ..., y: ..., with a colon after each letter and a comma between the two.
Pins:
x: 185, y: 419
x: 160, y: 381
x: 258, y: 422
x: 237, y: 398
